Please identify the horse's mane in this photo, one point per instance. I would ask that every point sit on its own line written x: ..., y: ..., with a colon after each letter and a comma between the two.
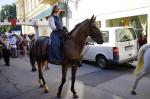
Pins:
x: 76, y: 27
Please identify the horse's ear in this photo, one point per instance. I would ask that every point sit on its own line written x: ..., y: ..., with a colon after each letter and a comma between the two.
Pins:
x: 92, y: 17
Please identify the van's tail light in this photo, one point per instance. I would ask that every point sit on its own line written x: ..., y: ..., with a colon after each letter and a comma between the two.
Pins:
x: 115, y: 53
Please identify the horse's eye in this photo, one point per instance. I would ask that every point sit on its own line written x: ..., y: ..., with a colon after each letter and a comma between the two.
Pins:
x: 94, y: 26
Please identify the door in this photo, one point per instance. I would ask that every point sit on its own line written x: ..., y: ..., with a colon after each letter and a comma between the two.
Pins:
x: 127, y: 43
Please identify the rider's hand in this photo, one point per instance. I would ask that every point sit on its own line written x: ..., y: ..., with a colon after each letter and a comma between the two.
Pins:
x: 65, y: 29
x: 58, y: 29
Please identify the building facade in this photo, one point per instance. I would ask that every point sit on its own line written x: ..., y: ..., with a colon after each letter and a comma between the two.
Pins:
x: 35, y: 10
x: 111, y: 13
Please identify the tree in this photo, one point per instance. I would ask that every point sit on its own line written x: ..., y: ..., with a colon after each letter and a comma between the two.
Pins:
x: 7, y: 12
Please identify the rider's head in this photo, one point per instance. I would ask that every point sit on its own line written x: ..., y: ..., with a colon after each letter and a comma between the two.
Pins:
x: 55, y: 9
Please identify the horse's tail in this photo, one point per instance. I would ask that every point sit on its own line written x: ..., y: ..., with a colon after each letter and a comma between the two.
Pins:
x: 31, y: 53
x: 140, y: 59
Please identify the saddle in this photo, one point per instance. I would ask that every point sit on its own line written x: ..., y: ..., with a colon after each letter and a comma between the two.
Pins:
x: 63, y: 35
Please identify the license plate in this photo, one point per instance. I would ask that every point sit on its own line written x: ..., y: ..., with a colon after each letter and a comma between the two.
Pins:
x: 128, y: 48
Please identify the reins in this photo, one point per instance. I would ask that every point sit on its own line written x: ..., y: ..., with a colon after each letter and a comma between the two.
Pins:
x: 84, y: 52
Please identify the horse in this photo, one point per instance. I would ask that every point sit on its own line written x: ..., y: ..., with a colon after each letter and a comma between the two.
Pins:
x: 143, y: 65
x: 72, y: 51
x: 39, y: 46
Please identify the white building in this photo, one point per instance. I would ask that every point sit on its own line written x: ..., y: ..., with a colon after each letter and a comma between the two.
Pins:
x: 35, y: 10
x: 110, y: 13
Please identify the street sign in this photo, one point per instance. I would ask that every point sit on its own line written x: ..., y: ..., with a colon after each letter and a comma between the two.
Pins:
x: 13, y: 22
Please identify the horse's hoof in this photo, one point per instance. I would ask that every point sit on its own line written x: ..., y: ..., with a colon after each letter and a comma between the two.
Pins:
x: 75, y: 96
x: 41, y: 86
x: 133, y: 92
x: 47, y: 68
x: 58, y: 95
x: 34, y: 70
x: 46, y: 91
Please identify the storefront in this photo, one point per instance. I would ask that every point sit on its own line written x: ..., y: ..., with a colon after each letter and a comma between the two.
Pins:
x: 139, y: 23
x: 135, y: 13
x: 37, y: 10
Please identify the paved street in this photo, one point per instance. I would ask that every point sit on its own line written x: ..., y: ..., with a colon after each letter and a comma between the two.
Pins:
x: 18, y: 82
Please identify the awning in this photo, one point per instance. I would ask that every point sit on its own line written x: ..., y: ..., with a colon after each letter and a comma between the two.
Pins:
x: 45, y: 13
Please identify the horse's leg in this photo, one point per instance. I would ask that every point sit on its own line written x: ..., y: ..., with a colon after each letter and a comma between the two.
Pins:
x: 32, y: 61
x: 137, y: 80
x: 34, y: 68
x: 46, y: 65
x: 40, y: 74
x: 74, y: 69
x: 33, y: 64
x: 64, y: 74
x: 42, y: 77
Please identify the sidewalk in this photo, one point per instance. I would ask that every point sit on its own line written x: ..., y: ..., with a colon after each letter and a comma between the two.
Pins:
x: 18, y: 82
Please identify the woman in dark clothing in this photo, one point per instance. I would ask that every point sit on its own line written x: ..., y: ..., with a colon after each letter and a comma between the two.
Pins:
x: 56, y: 24
x: 142, y: 40
x: 6, y: 49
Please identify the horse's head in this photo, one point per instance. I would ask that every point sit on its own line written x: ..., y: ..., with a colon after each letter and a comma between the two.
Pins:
x: 95, y: 32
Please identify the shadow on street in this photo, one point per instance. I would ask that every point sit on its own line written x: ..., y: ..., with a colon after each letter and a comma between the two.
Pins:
x: 111, y: 66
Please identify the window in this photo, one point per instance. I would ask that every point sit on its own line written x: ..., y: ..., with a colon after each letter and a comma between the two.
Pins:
x: 126, y: 34
x: 105, y: 36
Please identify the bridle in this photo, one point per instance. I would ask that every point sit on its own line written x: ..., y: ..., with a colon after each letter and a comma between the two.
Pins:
x: 90, y: 28
x: 89, y: 34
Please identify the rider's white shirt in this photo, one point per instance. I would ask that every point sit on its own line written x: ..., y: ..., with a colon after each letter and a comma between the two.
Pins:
x: 52, y: 22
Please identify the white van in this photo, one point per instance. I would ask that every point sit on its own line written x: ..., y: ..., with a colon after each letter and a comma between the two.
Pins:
x: 120, y: 45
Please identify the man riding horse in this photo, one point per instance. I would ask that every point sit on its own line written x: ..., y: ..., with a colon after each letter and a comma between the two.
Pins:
x: 56, y: 37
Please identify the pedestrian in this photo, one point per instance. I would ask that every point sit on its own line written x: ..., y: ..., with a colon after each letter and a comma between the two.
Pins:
x: 13, y: 41
x: 141, y: 40
x: 1, y: 46
x: 6, y: 49
x: 25, y: 44
x: 56, y: 24
x: 0, y: 50
x: 32, y: 38
x: 18, y: 44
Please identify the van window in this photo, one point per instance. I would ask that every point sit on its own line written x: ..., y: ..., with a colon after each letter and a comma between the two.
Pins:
x: 105, y: 36
x: 126, y: 34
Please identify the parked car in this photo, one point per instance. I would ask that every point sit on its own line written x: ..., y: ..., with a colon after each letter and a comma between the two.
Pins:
x: 120, y: 46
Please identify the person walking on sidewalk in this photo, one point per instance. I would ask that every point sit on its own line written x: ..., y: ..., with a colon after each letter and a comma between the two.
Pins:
x: 141, y: 40
x: 12, y: 39
x: 6, y: 49
x: 25, y: 44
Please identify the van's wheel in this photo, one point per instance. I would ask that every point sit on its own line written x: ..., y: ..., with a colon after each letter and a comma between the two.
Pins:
x: 101, y: 61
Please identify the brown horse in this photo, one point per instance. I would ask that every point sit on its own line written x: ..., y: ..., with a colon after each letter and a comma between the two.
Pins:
x: 38, y: 52
x: 72, y: 51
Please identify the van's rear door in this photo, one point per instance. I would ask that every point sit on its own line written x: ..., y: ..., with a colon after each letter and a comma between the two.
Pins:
x: 127, y: 43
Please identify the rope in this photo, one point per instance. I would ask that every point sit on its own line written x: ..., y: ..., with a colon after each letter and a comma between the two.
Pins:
x: 86, y: 50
